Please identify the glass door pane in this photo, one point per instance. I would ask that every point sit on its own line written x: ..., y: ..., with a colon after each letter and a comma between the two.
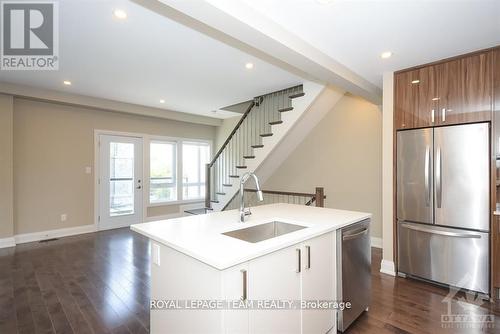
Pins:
x: 121, y: 187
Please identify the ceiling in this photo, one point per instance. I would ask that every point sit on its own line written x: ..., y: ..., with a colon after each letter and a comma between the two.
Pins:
x: 356, y: 32
x: 147, y: 58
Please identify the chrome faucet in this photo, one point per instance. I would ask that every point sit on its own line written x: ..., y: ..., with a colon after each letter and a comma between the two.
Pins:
x: 244, y: 178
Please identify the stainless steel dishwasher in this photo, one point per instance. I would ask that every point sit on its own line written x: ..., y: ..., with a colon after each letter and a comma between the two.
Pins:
x: 354, y: 272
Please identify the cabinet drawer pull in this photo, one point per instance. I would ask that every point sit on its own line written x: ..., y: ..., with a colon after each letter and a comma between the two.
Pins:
x: 299, y: 265
x: 244, y: 277
x: 308, y: 249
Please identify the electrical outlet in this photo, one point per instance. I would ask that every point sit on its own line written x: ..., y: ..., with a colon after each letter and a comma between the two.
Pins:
x: 64, y: 217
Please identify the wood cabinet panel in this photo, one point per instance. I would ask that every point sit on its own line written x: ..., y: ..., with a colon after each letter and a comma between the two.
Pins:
x: 452, y: 92
x: 415, y: 98
x: 465, y: 90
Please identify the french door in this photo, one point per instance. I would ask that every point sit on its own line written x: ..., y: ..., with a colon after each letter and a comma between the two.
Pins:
x: 120, y: 181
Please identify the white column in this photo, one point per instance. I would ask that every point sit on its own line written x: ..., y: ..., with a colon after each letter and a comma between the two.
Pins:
x: 387, y: 265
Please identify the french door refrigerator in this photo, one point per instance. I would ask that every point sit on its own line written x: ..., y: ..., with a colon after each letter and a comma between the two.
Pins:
x: 443, y: 205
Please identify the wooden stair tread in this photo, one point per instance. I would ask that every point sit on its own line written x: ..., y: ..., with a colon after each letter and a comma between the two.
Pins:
x: 249, y: 157
x: 293, y: 96
x: 214, y: 201
x: 241, y: 167
x: 234, y: 176
x: 275, y: 122
x: 285, y: 109
x: 257, y: 146
x: 266, y: 134
x: 227, y: 185
x: 220, y: 193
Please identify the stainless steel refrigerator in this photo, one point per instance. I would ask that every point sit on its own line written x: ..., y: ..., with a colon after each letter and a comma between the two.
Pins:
x: 443, y: 205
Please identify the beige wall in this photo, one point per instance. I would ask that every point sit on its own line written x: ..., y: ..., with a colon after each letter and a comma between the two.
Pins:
x: 343, y: 154
x: 53, y: 144
x: 224, y: 130
x: 6, y: 161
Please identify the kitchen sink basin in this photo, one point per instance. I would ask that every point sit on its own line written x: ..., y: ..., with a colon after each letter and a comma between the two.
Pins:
x: 264, y: 231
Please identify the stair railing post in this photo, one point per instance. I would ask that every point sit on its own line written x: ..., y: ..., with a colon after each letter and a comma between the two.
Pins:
x: 207, y: 187
x: 320, y: 197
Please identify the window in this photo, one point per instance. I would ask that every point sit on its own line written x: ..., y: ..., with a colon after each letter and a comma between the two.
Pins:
x: 163, y: 163
x: 195, y: 155
x: 121, y: 179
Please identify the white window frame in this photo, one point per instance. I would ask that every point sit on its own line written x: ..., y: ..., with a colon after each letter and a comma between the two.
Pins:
x: 200, y: 171
x: 175, y: 182
x: 178, y: 168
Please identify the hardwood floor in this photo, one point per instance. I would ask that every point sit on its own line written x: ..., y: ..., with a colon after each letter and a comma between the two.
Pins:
x: 99, y: 283
x: 93, y: 283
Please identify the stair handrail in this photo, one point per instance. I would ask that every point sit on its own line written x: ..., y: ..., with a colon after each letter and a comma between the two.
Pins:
x: 317, y: 197
x: 255, y: 102
x: 231, y: 135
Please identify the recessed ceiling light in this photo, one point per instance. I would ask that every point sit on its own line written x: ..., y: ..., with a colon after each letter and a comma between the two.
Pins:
x: 415, y: 81
x: 386, y: 54
x: 120, y: 14
x: 162, y: 101
x: 67, y: 82
x: 249, y: 66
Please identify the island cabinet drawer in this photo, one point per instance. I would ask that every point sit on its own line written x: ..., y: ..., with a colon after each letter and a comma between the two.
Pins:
x: 301, y: 273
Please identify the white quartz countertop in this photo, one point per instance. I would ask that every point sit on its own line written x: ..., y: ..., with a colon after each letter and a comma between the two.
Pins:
x: 201, y: 237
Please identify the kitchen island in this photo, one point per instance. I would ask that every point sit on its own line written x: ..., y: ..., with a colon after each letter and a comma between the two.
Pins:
x: 208, y: 277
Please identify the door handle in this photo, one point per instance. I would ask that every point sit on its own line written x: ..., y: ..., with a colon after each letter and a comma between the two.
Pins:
x: 308, y: 250
x: 138, y: 187
x: 445, y: 233
x: 443, y: 115
x: 427, y: 175
x: 298, y: 261
x: 432, y: 116
x: 439, y: 178
x: 244, y: 277
x: 355, y: 235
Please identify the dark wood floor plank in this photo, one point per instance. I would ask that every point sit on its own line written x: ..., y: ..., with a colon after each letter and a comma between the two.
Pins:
x: 8, y: 319
x: 25, y: 321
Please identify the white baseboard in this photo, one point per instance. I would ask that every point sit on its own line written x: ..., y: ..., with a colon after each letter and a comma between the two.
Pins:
x: 59, y: 233
x: 387, y: 267
x: 376, y: 242
x: 7, y: 242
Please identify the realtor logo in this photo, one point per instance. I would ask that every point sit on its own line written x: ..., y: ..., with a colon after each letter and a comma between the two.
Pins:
x: 30, y: 37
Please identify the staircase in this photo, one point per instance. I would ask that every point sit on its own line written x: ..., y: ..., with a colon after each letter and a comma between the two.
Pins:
x: 263, y: 125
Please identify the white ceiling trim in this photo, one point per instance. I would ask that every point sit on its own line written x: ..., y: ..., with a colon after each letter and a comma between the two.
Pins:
x: 241, y: 26
x: 102, y: 104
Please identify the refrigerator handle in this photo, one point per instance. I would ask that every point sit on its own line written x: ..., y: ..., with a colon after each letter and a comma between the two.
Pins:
x: 439, y: 178
x: 427, y: 175
x: 444, y: 233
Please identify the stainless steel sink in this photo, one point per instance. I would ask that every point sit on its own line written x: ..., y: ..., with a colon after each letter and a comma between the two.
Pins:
x: 264, y: 231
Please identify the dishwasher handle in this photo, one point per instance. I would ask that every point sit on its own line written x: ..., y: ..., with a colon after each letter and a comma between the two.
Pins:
x: 355, y: 235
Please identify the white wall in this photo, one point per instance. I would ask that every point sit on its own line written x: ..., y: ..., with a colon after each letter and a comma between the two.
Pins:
x: 387, y: 265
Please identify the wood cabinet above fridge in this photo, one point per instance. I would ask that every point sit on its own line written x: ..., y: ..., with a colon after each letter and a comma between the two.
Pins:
x: 456, y: 91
